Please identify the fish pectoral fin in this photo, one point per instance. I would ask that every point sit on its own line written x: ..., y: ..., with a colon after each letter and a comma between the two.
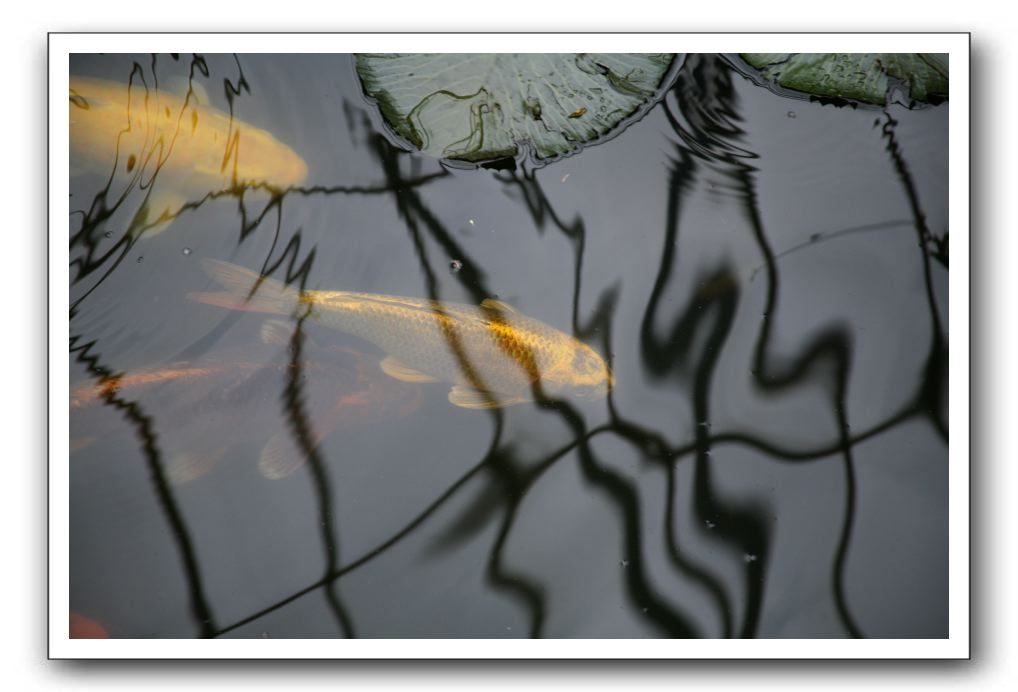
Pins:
x: 276, y: 332
x: 400, y: 371
x: 184, y: 467
x: 497, y: 305
x: 280, y: 457
x: 468, y: 397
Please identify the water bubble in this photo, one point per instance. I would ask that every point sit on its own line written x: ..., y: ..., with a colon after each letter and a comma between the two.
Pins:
x: 455, y: 265
x: 749, y: 557
x: 186, y: 251
x: 790, y: 114
x: 471, y: 222
x: 710, y: 524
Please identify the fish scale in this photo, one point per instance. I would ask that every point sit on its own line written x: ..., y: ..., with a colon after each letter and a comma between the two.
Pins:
x: 447, y: 339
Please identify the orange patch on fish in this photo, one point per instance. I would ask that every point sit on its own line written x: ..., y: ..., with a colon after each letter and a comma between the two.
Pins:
x: 86, y: 394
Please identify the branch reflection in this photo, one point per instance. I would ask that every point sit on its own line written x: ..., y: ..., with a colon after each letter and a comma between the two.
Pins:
x: 682, y: 351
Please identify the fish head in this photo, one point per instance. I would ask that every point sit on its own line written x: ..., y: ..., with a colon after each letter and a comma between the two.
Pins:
x: 581, y: 373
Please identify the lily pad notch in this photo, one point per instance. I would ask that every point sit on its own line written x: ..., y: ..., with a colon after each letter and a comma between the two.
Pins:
x: 872, y: 78
x: 482, y: 107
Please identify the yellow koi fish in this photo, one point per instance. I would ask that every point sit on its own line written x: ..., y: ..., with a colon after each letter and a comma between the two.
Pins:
x: 491, y: 354
x: 181, y: 147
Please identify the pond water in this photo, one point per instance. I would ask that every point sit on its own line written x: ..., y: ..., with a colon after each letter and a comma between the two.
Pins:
x: 766, y: 276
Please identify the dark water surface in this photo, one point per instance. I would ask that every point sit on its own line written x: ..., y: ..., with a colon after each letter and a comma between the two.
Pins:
x: 767, y: 276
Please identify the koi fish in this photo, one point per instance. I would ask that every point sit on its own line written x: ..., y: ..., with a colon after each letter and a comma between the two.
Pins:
x: 194, y: 407
x: 492, y: 355
x: 177, y: 145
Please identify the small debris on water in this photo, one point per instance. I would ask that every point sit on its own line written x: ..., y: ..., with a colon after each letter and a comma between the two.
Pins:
x: 624, y: 563
x: 455, y: 265
x: 471, y: 222
x: 749, y: 557
x: 791, y: 114
x: 566, y: 177
x: 108, y: 234
x: 141, y: 259
x: 186, y: 251
x: 710, y: 524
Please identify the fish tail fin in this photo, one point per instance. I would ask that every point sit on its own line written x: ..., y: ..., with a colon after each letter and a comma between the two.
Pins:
x: 246, y: 290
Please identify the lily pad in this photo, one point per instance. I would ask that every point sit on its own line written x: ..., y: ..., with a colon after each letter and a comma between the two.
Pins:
x: 484, y: 106
x: 865, y: 77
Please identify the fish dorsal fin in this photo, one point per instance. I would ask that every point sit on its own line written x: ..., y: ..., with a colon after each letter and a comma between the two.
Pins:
x: 498, y: 305
x: 400, y: 371
x: 468, y: 397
